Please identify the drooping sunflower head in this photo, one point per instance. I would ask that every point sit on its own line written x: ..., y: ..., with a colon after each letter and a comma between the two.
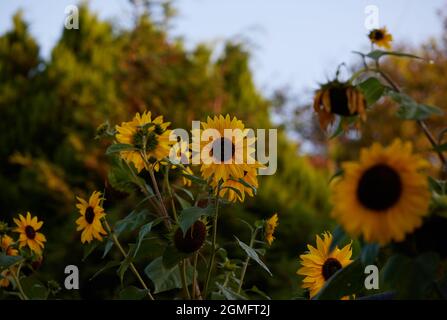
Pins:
x: 270, y: 226
x: 149, y: 137
x: 193, y: 239
x: 228, y: 151
x: 384, y: 195
x: 29, y: 236
x: 319, y: 264
x: 381, y: 38
x: 338, y: 98
x: 89, y: 222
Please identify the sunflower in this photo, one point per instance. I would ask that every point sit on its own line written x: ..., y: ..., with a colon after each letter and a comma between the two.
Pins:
x: 6, y: 243
x: 338, y: 98
x: 320, y: 264
x: 229, y: 187
x: 383, y: 196
x: 217, y: 161
x: 270, y: 226
x: 187, y: 172
x: 28, y: 227
x: 381, y: 38
x: 147, y: 135
x: 90, y: 220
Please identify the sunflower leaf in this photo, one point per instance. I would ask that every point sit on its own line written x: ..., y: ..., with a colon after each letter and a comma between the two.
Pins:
x: 344, y: 282
x: 183, y: 203
x: 252, y: 254
x: 8, y: 261
x: 190, y: 215
x: 108, y: 265
x: 372, y: 89
x: 34, y: 289
x: 230, y: 294
x: 411, y: 110
x: 132, y: 293
x: 165, y: 279
x: 119, y: 147
x: 377, y: 54
x: 144, y: 231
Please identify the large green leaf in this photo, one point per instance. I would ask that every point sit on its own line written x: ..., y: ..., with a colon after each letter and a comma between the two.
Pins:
x: 347, y: 281
x: 372, y: 89
x: 377, y: 54
x: 253, y: 255
x: 165, y: 279
x: 190, y: 215
x: 144, y: 231
x: 8, y: 261
x: 34, y: 289
x: 171, y: 257
x: 411, y: 110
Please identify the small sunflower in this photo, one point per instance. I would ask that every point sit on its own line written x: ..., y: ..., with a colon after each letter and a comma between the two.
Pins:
x: 338, y: 98
x: 144, y: 134
x: 90, y: 220
x: 6, y: 245
x: 217, y: 161
x: 270, y: 226
x: 229, y: 187
x: 320, y: 264
x: 381, y: 38
x: 28, y: 227
x: 383, y: 196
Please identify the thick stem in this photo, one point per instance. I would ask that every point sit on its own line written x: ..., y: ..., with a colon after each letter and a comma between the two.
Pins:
x: 213, y: 246
x: 183, y: 276
x: 123, y: 252
x: 244, y: 267
x: 16, y: 276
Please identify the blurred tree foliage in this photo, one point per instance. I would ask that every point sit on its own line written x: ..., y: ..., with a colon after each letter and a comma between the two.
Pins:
x: 50, y: 109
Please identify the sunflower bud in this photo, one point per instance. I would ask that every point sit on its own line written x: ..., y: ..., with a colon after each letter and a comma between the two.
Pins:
x: 192, y: 240
x: 338, y: 98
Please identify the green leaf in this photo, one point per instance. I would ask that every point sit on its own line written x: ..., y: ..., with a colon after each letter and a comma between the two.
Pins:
x: 411, y: 278
x: 108, y: 265
x: 144, y: 231
x: 437, y: 186
x: 189, y: 193
x: 369, y: 253
x: 132, y: 293
x: 246, y: 184
x: 411, y: 110
x: 344, y: 282
x: 259, y: 292
x: 230, y: 294
x: 125, y: 264
x: 253, y: 255
x: 171, y: 257
x: 119, y: 147
x: 377, y: 54
x: 8, y: 261
x: 183, y: 203
x: 190, y: 215
x: 34, y: 289
x: 89, y: 248
x: 372, y: 89
x: 165, y: 279
x: 238, y: 192
x: 337, y: 174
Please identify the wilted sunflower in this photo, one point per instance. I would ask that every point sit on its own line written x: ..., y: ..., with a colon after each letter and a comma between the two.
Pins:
x: 381, y: 38
x: 6, y: 247
x: 338, y: 98
x: 221, y: 157
x: 90, y: 220
x: 270, y: 226
x: 319, y: 264
x: 27, y: 228
x: 229, y: 187
x: 144, y: 134
x: 383, y: 196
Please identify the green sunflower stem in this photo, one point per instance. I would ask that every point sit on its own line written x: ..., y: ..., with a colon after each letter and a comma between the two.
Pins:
x: 213, y: 246
x: 16, y: 277
x: 168, y: 186
x: 184, y: 282
x: 131, y: 266
x: 245, y: 266
x: 194, y: 275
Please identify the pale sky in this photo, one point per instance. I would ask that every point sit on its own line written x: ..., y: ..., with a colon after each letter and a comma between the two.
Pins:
x: 294, y: 43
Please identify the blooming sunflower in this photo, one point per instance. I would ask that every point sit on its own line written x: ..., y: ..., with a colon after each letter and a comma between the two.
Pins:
x: 28, y: 227
x: 319, y: 264
x: 381, y: 38
x: 270, y: 226
x: 90, y: 220
x: 229, y: 187
x: 6, y: 243
x: 383, y: 196
x: 338, y: 98
x: 217, y: 162
x: 144, y: 134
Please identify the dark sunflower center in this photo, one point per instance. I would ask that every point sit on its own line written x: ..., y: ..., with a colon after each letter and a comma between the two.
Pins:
x: 220, y: 150
x: 142, y: 139
x: 158, y: 130
x: 378, y: 35
x: 330, y: 267
x: 89, y: 215
x: 379, y: 188
x: 30, y: 232
x: 339, y: 101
